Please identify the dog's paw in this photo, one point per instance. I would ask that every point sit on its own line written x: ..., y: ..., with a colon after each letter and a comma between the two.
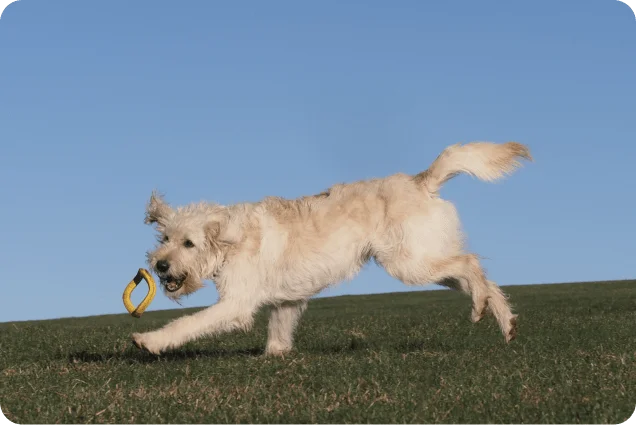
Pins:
x: 275, y: 354
x: 275, y: 349
x: 147, y: 342
x: 512, y: 329
x: 478, y: 313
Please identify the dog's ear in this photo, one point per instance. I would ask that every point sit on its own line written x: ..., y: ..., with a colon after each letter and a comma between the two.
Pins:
x: 212, y: 231
x: 219, y: 232
x: 157, y: 209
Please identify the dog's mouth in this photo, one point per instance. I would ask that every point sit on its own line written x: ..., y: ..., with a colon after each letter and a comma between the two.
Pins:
x: 172, y: 283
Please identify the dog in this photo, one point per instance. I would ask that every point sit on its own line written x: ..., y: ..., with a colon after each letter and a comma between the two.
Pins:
x: 279, y: 253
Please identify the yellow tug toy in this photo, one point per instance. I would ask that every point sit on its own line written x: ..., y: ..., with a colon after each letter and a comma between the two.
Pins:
x: 142, y: 274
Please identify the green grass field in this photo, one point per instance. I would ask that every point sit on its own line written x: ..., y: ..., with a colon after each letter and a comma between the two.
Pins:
x: 406, y: 357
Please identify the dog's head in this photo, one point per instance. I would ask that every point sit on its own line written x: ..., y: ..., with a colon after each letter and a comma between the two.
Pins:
x: 191, y: 245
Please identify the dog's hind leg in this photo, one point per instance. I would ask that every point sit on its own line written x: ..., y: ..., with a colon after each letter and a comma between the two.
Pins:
x: 464, y: 273
x: 466, y: 270
x: 282, y: 324
x: 478, y: 293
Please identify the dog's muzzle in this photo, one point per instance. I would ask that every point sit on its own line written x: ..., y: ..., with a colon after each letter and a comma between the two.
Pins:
x: 172, y: 283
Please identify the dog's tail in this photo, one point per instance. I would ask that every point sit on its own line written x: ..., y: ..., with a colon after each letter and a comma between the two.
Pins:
x: 484, y: 160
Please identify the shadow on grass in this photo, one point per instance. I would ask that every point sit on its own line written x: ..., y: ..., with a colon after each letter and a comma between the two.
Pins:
x: 139, y: 356
x: 426, y: 345
x: 353, y: 345
x: 134, y: 355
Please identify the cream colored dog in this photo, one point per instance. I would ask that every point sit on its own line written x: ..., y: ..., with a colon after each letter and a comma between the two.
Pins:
x: 280, y: 252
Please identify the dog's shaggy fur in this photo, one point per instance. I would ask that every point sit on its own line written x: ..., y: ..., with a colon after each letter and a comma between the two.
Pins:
x: 279, y: 252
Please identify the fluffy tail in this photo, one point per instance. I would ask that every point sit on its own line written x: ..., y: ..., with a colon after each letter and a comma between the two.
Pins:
x: 484, y: 160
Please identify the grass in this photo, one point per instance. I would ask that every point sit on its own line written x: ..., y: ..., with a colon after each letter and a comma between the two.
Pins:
x: 406, y: 357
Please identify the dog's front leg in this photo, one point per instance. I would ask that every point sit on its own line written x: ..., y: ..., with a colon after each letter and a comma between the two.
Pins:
x: 222, y: 317
x: 282, y: 323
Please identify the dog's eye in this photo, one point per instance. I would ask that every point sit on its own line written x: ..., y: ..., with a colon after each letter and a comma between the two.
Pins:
x: 188, y: 243
x: 165, y: 239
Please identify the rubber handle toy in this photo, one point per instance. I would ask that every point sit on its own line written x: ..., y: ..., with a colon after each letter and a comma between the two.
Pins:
x: 142, y: 274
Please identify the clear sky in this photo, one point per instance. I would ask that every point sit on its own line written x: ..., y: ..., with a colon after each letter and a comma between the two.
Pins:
x: 103, y: 101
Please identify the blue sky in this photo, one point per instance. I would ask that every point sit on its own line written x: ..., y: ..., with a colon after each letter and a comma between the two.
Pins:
x: 101, y: 102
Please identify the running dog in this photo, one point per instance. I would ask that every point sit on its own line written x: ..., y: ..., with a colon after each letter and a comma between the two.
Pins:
x: 279, y: 253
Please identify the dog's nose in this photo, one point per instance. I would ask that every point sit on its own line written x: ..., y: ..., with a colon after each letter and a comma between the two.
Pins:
x: 162, y: 266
